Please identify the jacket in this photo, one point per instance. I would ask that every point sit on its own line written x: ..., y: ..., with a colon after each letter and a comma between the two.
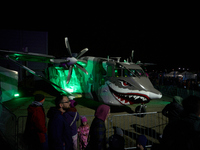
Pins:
x: 97, y: 135
x: 98, y: 129
x: 72, y: 117
x: 83, y: 132
x: 59, y: 133
x: 35, y: 125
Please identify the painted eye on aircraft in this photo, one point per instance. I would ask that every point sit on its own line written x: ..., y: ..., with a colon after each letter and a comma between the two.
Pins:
x: 124, y: 83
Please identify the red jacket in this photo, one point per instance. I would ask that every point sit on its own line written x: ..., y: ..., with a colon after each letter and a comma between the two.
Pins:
x: 35, y: 125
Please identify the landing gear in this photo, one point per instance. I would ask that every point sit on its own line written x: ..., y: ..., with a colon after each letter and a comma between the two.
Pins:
x: 141, y: 109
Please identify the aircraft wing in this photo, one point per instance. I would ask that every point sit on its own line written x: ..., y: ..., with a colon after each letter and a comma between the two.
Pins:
x: 144, y: 64
x: 22, y: 56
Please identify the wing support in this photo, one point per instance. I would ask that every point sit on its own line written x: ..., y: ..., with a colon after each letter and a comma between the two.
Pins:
x: 34, y: 73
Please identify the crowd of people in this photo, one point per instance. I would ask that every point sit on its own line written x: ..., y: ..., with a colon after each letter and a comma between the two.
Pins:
x: 62, y: 130
x: 159, y: 79
x: 182, y: 131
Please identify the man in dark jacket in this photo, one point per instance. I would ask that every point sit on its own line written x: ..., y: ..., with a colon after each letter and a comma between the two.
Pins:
x: 184, y: 133
x: 59, y: 133
x: 35, y: 131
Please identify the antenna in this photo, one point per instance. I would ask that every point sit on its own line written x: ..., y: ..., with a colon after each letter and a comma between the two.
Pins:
x: 132, y: 54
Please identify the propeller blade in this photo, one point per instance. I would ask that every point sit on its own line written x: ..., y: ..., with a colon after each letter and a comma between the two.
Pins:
x: 83, y: 69
x: 58, y: 61
x: 82, y: 61
x: 82, y: 52
x: 68, y: 47
x: 69, y: 74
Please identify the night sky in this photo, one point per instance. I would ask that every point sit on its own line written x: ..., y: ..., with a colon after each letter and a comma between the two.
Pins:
x: 165, y: 39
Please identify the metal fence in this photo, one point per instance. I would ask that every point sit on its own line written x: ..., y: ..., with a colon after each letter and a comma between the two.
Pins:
x: 132, y: 125
x: 151, y: 125
x: 8, y: 124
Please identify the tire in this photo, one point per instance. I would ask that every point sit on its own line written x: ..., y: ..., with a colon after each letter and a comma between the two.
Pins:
x: 140, y: 109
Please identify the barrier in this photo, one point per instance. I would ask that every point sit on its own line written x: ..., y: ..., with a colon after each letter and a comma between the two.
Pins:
x: 132, y: 125
x: 21, y: 124
x: 151, y: 125
x: 8, y: 125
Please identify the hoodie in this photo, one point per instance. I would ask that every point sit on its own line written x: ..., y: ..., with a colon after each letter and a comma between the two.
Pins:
x: 98, y: 129
x: 102, y: 112
x: 59, y: 133
x: 174, y: 109
x: 35, y: 125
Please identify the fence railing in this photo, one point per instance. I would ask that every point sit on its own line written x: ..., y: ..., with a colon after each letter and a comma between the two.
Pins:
x: 8, y: 125
x: 151, y: 125
x: 132, y: 125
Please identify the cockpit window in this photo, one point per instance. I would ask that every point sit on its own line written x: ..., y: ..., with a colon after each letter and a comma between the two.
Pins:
x: 122, y: 72
x: 138, y: 72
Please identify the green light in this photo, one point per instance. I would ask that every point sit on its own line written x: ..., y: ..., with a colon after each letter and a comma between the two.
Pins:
x: 16, y: 95
x: 81, y: 63
x: 59, y: 76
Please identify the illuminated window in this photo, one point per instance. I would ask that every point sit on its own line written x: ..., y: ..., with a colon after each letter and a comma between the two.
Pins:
x: 109, y: 71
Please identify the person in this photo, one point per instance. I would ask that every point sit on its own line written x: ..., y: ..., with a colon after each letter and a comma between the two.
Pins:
x: 184, y: 133
x: 83, y: 132
x: 141, y: 142
x: 97, y: 132
x: 116, y: 141
x: 35, y: 130
x: 72, y: 116
x: 174, y: 109
x: 59, y: 132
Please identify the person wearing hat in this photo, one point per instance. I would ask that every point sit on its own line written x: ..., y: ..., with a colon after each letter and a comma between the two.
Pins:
x: 141, y: 142
x: 83, y: 132
x: 116, y: 141
x: 35, y: 131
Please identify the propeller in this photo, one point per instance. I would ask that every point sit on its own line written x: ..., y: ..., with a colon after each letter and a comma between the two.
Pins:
x: 72, y: 61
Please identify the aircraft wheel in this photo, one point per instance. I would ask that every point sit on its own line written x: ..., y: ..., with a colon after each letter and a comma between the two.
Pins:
x: 140, y: 109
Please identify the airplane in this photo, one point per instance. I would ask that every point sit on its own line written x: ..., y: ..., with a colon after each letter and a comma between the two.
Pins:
x: 102, y: 79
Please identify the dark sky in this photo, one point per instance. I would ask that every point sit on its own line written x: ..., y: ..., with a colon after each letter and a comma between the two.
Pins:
x: 168, y: 42
x: 165, y: 39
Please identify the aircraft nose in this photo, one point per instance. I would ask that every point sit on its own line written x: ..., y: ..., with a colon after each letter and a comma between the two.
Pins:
x: 155, y: 94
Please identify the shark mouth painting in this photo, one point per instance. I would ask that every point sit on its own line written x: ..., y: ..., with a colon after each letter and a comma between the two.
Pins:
x: 129, y: 98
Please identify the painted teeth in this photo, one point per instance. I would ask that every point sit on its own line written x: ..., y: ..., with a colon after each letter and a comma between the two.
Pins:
x: 135, y: 97
x: 122, y: 101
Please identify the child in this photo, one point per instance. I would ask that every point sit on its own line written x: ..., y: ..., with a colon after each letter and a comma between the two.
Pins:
x: 83, y: 132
